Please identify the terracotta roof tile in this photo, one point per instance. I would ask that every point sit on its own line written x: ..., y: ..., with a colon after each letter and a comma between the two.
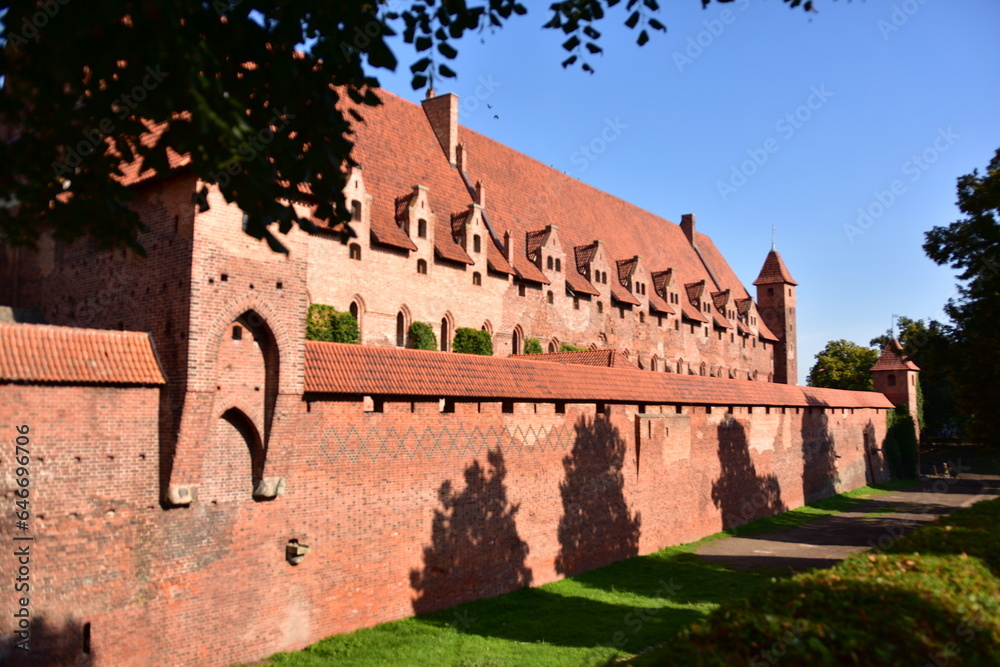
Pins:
x: 658, y: 304
x: 131, y: 174
x: 662, y: 280
x: 691, y: 311
x: 495, y: 259
x: 623, y: 295
x: 579, y: 283
x: 584, y: 253
x: 774, y: 271
x: 625, y: 268
x: 893, y: 358
x: 534, y: 240
x: 41, y: 353
x: 389, y: 232
x: 526, y: 270
x: 603, y: 358
x: 336, y: 368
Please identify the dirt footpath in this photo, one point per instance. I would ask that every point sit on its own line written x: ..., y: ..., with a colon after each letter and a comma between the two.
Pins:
x: 826, y: 541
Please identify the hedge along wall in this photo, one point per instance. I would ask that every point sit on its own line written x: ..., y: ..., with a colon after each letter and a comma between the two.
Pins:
x: 413, y: 504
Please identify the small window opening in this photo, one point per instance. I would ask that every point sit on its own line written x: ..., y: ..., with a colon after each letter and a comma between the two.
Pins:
x: 558, y: 265
x: 477, y: 245
x: 549, y: 263
x: 421, y: 266
x: 422, y: 228
x: 355, y: 251
x: 237, y: 333
x: 549, y: 297
x: 520, y: 290
x: 477, y: 278
x: 600, y: 307
x: 355, y: 210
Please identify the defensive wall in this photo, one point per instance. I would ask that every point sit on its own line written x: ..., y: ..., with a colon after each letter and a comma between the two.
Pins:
x: 417, y: 480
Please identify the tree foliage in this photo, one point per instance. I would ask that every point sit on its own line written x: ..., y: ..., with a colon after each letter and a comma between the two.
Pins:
x: 843, y: 365
x: 326, y: 323
x: 567, y: 347
x: 473, y: 341
x: 532, y: 346
x: 232, y: 89
x: 900, y: 445
x: 972, y: 246
x: 421, y: 336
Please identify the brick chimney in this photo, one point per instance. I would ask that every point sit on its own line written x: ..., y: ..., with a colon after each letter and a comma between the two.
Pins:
x: 442, y: 113
x: 687, y: 226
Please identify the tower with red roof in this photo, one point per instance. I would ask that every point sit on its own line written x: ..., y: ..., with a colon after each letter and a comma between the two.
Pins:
x: 776, y: 303
x: 896, y: 376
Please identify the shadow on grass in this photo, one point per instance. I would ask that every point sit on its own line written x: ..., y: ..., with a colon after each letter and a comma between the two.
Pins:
x: 629, y: 605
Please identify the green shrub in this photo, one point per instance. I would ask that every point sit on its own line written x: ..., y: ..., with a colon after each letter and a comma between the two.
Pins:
x: 566, y: 347
x: 532, y: 346
x: 924, y: 600
x: 900, y: 444
x: 473, y: 341
x: 421, y: 337
x: 328, y: 324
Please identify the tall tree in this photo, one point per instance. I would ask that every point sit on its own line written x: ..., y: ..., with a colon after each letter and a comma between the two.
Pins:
x: 227, y: 84
x: 972, y: 246
x: 843, y: 365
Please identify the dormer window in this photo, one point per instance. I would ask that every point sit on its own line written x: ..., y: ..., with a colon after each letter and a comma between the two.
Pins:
x: 355, y: 210
x: 476, y: 244
x: 558, y: 265
x: 422, y: 228
x: 549, y: 263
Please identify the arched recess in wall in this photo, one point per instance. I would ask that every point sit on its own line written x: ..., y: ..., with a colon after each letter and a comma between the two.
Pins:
x: 402, y: 326
x: 602, y: 340
x: 447, y: 331
x: 654, y: 364
x: 247, y: 368
x: 488, y: 327
x: 680, y: 365
x: 553, y: 346
x: 357, y: 311
x: 517, y: 341
x: 233, y: 461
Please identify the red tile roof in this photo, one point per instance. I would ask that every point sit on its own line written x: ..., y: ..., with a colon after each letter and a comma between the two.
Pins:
x: 894, y: 359
x: 526, y: 270
x: 626, y: 267
x: 658, y: 304
x: 495, y: 259
x: 584, y: 253
x: 691, y: 311
x: 578, y: 283
x: 622, y: 294
x: 603, y: 358
x: 131, y: 174
x: 774, y: 271
x: 336, y: 368
x: 390, y: 232
x: 662, y: 280
x: 526, y: 195
x: 41, y: 353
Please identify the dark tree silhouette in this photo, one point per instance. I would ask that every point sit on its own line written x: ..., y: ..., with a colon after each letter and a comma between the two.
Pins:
x: 597, y: 527
x: 819, y: 457
x: 740, y: 493
x: 475, y: 550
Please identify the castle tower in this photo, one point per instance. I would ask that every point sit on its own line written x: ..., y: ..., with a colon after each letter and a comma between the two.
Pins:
x: 776, y: 303
x: 896, y: 376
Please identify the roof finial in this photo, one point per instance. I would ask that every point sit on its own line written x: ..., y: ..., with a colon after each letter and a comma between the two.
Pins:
x: 772, y: 237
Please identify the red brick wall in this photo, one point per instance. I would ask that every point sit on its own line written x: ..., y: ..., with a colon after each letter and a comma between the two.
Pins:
x: 408, y: 509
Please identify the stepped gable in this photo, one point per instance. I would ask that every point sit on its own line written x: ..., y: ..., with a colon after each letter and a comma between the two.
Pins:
x: 526, y: 195
x: 774, y: 271
x: 397, y: 149
x: 43, y: 353
x: 604, y: 358
x: 359, y: 370
x: 893, y: 358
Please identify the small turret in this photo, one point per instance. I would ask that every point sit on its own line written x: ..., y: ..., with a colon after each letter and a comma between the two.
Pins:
x: 776, y: 303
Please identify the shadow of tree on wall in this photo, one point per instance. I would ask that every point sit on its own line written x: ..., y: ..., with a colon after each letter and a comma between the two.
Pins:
x: 597, y: 527
x: 50, y: 645
x: 740, y: 493
x: 820, y: 477
x: 475, y: 549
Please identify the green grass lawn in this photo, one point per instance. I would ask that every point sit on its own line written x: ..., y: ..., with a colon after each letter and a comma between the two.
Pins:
x: 589, y: 619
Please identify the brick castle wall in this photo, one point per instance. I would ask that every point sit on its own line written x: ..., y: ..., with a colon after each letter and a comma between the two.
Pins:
x: 406, y: 510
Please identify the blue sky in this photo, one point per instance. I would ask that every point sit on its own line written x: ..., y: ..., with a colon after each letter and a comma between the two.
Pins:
x: 750, y: 114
